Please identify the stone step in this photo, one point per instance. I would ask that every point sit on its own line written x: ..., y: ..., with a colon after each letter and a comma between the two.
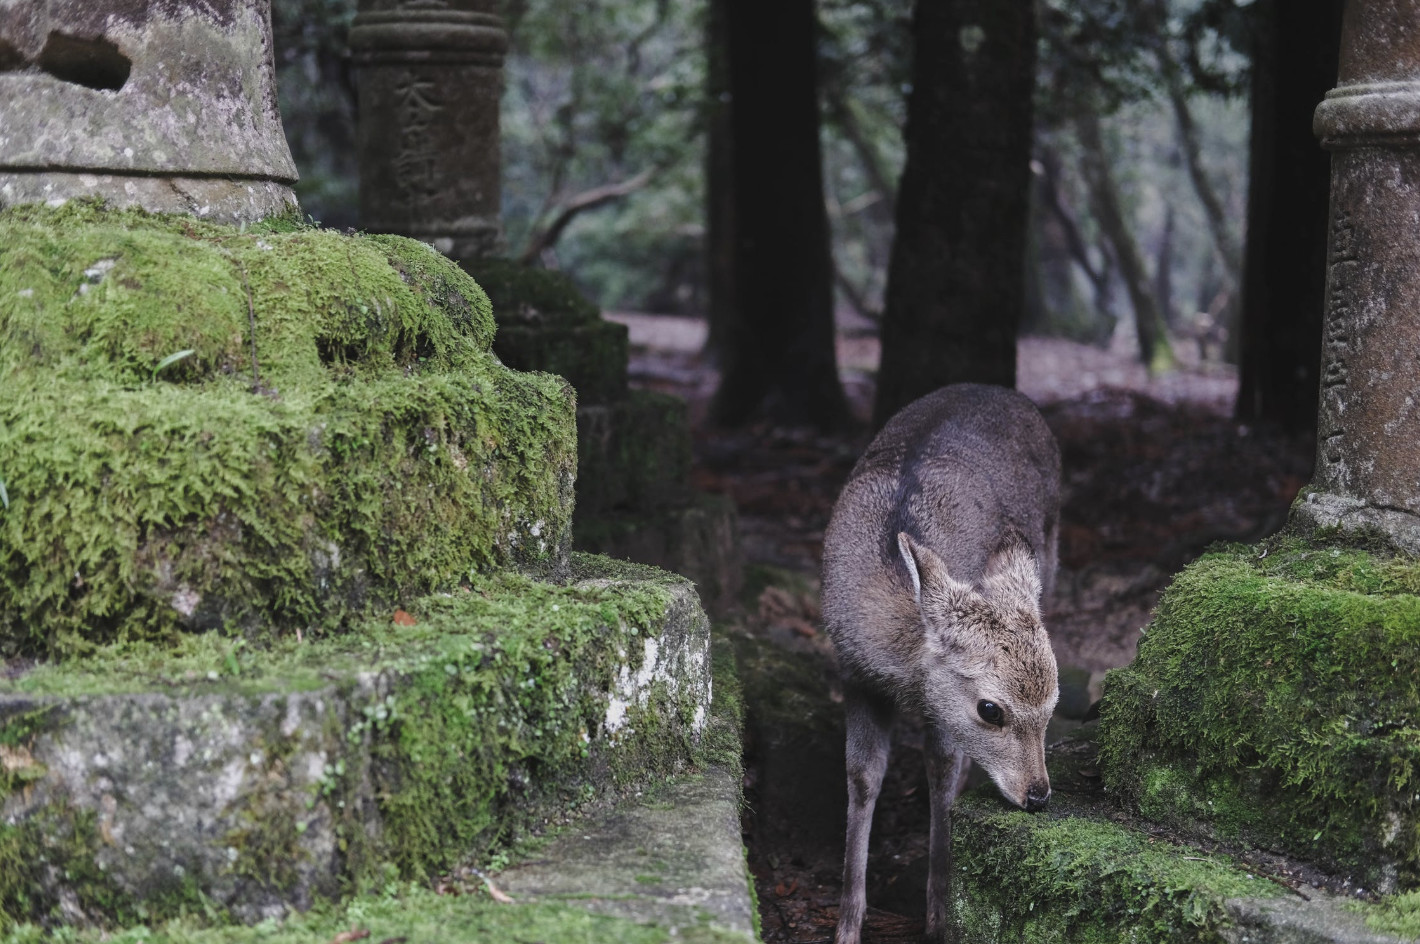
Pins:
x: 1084, y: 870
x: 633, y: 454
x: 697, y: 537
x: 672, y: 858
x: 148, y: 782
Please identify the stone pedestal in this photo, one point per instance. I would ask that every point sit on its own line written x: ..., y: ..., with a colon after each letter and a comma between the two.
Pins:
x: 634, y: 499
x: 170, y: 107
x: 1368, y: 451
x: 429, y: 80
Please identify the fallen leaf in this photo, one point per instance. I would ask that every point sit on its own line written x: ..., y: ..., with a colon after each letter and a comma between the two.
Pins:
x: 784, y: 891
x: 402, y: 618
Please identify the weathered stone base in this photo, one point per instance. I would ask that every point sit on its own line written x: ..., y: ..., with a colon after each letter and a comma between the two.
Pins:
x: 699, y: 539
x: 140, y: 782
x: 1274, y: 703
x: 633, y: 453
x: 592, y: 357
x: 1323, y: 511
x: 216, y: 199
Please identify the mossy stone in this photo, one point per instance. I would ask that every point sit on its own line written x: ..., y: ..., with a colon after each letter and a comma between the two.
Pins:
x: 154, y: 781
x: 1275, y: 700
x: 531, y: 294
x: 632, y: 455
x: 591, y: 356
x: 262, y: 430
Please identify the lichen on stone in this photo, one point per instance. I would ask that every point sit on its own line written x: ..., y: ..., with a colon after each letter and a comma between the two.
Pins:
x: 1276, y: 700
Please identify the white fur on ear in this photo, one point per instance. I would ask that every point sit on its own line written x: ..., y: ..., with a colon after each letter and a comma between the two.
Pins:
x: 904, y: 545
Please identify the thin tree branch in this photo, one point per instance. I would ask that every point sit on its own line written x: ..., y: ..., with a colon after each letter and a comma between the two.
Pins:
x: 544, y: 239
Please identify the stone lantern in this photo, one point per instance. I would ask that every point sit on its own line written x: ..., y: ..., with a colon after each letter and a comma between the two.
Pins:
x: 1368, y: 429
x: 166, y: 106
x: 429, y: 77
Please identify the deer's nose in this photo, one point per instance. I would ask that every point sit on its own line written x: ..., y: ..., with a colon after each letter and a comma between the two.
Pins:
x: 1037, y: 796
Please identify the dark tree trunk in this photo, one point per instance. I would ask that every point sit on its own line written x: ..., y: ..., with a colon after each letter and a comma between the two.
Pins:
x: 956, y: 281
x: 777, y: 351
x: 1294, y: 65
x: 719, y: 185
x: 1154, y: 349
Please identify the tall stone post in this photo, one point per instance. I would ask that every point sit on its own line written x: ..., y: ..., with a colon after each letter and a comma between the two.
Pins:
x: 1368, y: 429
x: 430, y: 76
x: 166, y: 106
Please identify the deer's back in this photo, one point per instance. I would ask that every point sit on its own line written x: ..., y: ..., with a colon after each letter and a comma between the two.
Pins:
x: 956, y: 469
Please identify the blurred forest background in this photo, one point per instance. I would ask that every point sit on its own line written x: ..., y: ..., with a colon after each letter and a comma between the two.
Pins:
x: 1145, y: 118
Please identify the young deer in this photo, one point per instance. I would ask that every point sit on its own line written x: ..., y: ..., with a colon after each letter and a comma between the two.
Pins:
x: 934, y: 564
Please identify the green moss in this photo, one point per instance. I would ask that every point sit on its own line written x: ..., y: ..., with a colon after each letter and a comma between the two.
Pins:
x: 485, y: 716
x: 592, y: 357
x: 407, y: 913
x: 531, y: 294
x: 1030, y: 879
x: 632, y: 455
x: 382, y: 454
x: 1276, y: 698
x: 1398, y: 915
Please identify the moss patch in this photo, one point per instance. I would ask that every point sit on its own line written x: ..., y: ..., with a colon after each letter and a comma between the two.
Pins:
x: 1399, y: 915
x: 1030, y: 879
x: 440, y: 740
x: 531, y: 293
x: 1276, y: 698
x: 409, y: 913
x: 259, y: 431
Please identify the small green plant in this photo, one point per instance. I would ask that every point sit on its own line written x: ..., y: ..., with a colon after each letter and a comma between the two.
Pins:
x: 172, y: 359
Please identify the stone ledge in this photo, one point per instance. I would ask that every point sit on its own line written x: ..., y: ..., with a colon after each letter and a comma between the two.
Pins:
x: 673, y: 858
x: 698, y: 538
x: 1273, y: 703
x: 1085, y: 871
x: 140, y: 782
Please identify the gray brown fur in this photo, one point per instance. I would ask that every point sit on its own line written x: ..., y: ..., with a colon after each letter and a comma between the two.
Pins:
x: 940, y: 548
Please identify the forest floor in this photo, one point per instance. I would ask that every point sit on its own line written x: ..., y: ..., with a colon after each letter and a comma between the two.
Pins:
x: 1154, y: 470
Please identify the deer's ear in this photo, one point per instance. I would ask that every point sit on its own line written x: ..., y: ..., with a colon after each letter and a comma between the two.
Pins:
x: 937, y: 593
x: 1013, y: 577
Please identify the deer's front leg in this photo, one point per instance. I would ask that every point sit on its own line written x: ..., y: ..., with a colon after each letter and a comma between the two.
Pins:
x: 946, y: 773
x: 869, y: 728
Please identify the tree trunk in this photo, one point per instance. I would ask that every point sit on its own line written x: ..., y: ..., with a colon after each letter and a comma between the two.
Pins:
x: 719, y: 186
x: 778, y: 345
x: 1284, y: 282
x: 1154, y: 347
x: 956, y: 281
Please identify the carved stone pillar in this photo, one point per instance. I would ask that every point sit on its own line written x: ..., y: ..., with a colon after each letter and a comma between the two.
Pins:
x: 430, y: 76
x: 1368, y: 449
x: 167, y: 106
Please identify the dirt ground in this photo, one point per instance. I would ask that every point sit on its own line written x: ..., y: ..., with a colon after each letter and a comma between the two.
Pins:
x: 1154, y: 470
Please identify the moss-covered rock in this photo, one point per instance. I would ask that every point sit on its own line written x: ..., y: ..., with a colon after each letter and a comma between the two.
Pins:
x: 632, y: 455
x: 531, y: 294
x: 592, y: 357
x: 1276, y: 700
x: 145, y: 781
x: 1069, y: 877
x: 261, y: 430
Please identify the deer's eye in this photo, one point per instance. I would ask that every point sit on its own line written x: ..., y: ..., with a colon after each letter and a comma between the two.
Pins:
x: 991, y: 713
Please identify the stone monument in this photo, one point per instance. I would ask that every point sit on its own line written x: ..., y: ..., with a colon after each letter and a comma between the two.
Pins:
x: 1368, y: 424
x: 274, y: 518
x: 166, y: 106
x: 429, y: 78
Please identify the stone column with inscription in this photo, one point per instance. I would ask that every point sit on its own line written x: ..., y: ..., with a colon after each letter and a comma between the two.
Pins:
x: 167, y: 106
x: 429, y: 78
x: 1368, y: 450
